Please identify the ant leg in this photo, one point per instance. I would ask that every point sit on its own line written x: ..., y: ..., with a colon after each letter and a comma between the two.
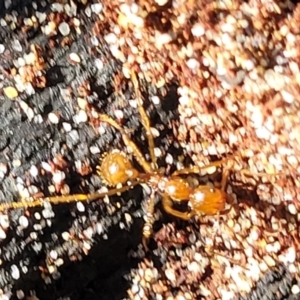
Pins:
x: 149, y: 220
x: 64, y: 199
x: 128, y: 142
x: 144, y: 118
x: 196, y: 169
x: 168, y: 207
x: 261, y: 174
x: 225, y: 175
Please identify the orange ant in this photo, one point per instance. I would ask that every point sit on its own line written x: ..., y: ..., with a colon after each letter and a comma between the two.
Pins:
x: 116, y: 169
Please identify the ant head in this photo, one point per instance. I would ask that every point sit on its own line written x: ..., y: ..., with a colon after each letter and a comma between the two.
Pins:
x: 116, y: 168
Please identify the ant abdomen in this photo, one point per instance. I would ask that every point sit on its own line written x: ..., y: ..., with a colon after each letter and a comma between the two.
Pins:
x: 207, y: 200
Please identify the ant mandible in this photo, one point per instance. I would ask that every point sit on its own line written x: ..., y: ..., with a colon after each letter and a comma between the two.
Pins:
x: 116, y: 168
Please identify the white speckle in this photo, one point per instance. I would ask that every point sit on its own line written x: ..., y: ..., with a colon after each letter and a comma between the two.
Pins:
x: 86, y: 245
x: 21, y: 62
x: 95, y: 42
x: 80, y: 206
x: 292, y: 209
x: 53, y: 118
x: 37, y: 216
x: 194, y: 267
x: 227, y: 295
x: 2, y: 234
x: 99, y: 64
x: 97, y: 8
x: 155, y: 100
x: 23, y: 221
x: 64, y: 28
x: 46, y: 166
x: 88, y: 232
x: 57, y: 7
x: 58, y: 177
x: 3, y: 23
x: 157, y: 152
x: 53, y: 254
x: 15, y: 272
x: 194, y: 121
x: 287, y: 97
x: 263, y: 133
x: 170, y: 274
x: 20, y: 294
x: 119, y: 114
x: 192, y: 63
x: 4, y: 221
x: 162, y: 38
x: 38, y: 119
x: 133, y: 103
x: 111, y: 38
x: 285, y: 151
x: 154, y: 132
x: 128, y: 218
x: 88, y: 11
x: 135, y: 288
x: 225, y: 27
x: 184, y: 100
x: 41, y: 16
x: 161, y: 2
x: 292, y: 160
x: 81, y: 117
x: 169, y: 159
x: 295, y: 289
x: 65, y: 235
x: 94, y: 150
x: 59, y: 262
x: 291, y: 255
x: 198, y: 30
x: 141, y: 293
x: 75, y: 57
x: 274, y: 80
x: 2, y: 48
x: 16, y: 45
x: 125, y: 9
x: 34, y: 235
x: 47, y: 213
x: 99, y: 228
x: 82, y: 103
x: 67, y: 126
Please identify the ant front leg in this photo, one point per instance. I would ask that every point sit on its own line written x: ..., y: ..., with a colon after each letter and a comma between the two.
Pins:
x: 196, y: 169
x: 128, y: 142
x: 144, y: 119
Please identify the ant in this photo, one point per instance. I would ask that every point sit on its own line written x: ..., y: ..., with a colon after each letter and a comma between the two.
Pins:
x: 116, y: 169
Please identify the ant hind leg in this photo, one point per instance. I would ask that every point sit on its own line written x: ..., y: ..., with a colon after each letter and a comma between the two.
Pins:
x: 168, y: 207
